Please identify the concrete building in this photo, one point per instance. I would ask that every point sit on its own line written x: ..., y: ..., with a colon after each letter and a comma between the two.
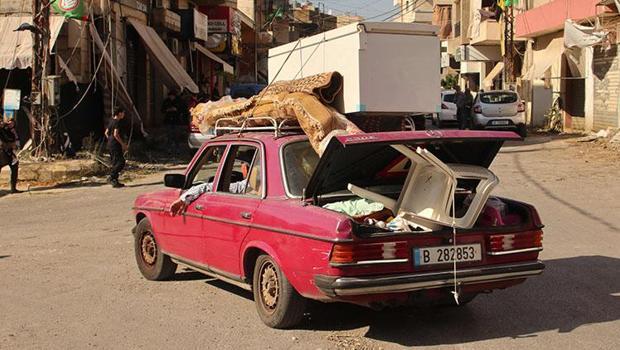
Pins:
x: 413, y: 11
x: 126, y: 53
x: 584, y: 82
x: 471, y: 41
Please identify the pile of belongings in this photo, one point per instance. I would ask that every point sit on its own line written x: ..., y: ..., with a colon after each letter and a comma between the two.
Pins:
x: 305, y: 101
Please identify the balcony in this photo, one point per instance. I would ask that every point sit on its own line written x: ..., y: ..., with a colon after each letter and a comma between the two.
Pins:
x: 551, y: 16
x: 166, y: 19
x: 489, y: 33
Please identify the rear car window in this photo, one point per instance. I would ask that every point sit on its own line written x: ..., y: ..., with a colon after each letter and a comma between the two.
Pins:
x: 448, y: 98
x: 498, y: 97
x: 299, y: 161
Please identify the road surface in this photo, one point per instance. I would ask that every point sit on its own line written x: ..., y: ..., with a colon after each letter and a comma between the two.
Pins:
x: 69, y: 278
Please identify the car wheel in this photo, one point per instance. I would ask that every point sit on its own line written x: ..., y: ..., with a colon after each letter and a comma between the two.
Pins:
x: 439, y: 123
x: 153, y: 264
x: 278, y: 303
x: 522, y: 130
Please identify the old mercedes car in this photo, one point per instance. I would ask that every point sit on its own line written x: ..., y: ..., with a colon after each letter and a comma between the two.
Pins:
x: 380, y: 219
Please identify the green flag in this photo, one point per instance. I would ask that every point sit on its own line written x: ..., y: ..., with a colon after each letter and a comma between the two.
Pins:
x: 70, y: 9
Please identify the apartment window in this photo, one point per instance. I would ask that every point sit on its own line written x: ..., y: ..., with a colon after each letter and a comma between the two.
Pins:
x: 407, y: 5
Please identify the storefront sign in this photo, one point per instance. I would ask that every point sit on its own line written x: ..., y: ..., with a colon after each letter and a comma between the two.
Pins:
x: 140, y: 5
x: 201, y: 26
x: 70, y: 9
x: 11, y: 99
x: 218, y: 25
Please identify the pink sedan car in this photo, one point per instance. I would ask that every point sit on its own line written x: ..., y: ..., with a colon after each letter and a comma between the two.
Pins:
x: 292, y: 231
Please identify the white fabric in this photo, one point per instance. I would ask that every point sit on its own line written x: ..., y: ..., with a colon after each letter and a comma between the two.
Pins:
x: 576, y: 35
x: 544, y: 59
x: 16, y: 47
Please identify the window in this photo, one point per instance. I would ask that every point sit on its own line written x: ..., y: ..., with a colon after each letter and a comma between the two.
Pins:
x: 207, y: 166
x: 300, y: 160
x: 243, y: 172
x: 449, y: 98
x: 498, y: 97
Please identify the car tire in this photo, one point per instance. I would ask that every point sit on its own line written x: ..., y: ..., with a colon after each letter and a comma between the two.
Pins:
x: 439, y: 123
x: 522, y: 130
x: 277, y: 302
x: 152, y: 263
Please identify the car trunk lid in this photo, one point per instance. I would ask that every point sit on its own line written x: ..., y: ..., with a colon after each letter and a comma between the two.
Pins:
x: 370, y: 160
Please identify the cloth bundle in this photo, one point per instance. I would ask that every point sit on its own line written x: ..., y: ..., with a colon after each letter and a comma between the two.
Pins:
x: 305, y: 101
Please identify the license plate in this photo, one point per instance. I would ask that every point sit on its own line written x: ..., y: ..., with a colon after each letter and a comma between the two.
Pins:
x: 447, y: 254
x: 500, y: 122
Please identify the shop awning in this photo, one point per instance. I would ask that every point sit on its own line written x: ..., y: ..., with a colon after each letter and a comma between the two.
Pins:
x: 487, y: 83
x: 164, y: 61
x: 16, y: 47
x: 227, y: 67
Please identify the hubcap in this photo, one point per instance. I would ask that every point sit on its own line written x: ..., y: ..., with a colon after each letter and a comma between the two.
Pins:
x: 149, y: 249
x: 270, y: 286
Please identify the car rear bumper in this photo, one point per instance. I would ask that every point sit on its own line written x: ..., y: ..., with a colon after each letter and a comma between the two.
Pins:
x: 484, y: 122
x: 349, y: 286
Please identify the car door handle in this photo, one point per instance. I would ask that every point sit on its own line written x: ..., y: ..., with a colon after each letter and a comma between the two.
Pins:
x: 199, y: 207
x: 246, y: 215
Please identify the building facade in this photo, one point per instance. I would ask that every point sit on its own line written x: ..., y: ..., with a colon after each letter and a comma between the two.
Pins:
x: 583, y: 81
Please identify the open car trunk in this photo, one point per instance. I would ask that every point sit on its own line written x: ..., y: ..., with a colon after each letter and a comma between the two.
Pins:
x: 413, y: 181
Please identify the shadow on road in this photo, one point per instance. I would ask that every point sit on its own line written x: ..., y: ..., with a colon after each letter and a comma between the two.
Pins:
x: 572, y: 292
x: 554, y: 196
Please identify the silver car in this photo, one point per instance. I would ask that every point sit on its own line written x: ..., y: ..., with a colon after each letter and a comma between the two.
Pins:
x: 196, y: 138
x: 499, y: 110
x: 448, y: 109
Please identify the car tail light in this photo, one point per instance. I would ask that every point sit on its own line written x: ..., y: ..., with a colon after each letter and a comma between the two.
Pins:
x: 515, y: 242
x: 369, y: 253
x: 193, y: 128
x: 443, y: 106
x: 521, y: 107
x: 477, y: 109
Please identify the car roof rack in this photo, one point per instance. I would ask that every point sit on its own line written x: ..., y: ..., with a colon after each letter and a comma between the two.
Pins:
x: 277, y: 128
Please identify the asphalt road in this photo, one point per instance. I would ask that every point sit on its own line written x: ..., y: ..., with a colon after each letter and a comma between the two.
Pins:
x: 69, y: 280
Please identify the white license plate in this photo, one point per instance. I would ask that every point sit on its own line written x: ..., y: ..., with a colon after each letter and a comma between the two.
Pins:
x: 447, y: 254
x: 500, y: 122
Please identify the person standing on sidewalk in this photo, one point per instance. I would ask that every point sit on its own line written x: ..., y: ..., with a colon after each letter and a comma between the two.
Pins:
x: 9, y: 142
x: 469, y: 103
x: 459, y: 100
x: 116, y: 147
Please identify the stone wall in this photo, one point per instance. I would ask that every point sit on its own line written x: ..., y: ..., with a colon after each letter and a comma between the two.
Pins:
x: 606, y: 75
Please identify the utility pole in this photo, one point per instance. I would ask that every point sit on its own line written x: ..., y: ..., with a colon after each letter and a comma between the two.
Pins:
x: 509, y: 47
x: 40, y: 121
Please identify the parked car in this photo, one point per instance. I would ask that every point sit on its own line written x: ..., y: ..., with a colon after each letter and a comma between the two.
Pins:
x: 448, y: 109
x: 280, y: 239
x: 196, y: 138
x: 499, y: 110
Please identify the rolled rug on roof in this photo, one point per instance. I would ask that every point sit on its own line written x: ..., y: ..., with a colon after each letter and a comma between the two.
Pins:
x: 305, y: 101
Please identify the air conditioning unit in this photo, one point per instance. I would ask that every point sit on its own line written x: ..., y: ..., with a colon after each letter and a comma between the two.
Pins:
x: 175, y: 46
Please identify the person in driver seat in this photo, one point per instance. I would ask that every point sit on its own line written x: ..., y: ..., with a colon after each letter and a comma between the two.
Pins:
x: 188, y: 197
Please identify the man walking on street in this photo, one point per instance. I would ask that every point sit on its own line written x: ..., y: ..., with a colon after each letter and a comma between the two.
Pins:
x: 116, y: 147
x: 459, y: 100
x: 9, y: 142
x: 469, y: 103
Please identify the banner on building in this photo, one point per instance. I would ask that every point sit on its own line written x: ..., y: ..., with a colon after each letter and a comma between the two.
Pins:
x: 70, y: 9
x: 201, y: 25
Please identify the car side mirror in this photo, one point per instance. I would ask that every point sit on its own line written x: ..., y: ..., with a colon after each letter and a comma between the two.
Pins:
x: 174, y: 180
